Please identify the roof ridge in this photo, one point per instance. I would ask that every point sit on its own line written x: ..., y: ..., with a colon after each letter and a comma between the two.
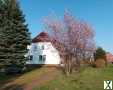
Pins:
x: 42, y: 37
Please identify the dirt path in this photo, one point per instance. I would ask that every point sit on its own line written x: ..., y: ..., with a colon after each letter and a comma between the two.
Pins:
x: 41, y: 80
x: 35, y: 82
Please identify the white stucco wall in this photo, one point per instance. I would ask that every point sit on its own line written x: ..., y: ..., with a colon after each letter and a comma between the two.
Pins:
x: 52, y: 55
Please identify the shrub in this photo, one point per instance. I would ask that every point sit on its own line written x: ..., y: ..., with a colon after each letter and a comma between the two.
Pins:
x: 99, y: 63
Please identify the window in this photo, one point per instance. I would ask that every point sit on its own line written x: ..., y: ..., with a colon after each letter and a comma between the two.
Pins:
x: 31, y: 57
x: 34, y: 48
x: 42, y: 57
x: 42, y: 47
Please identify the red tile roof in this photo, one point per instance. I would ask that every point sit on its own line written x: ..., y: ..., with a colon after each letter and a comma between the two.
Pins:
x: 42, y: 37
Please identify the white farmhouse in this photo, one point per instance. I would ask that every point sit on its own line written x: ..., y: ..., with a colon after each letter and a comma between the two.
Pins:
x: 42, y: 52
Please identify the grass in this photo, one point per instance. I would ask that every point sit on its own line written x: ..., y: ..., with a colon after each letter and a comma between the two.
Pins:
x: 87, y: 79
x: 24, y: 78
x: 7, y: 81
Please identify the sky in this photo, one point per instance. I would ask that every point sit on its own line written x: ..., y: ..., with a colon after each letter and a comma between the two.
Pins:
x: 97, y: 13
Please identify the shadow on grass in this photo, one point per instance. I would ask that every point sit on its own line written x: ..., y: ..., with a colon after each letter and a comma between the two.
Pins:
x: 14, y: 87
x: 7, y: 80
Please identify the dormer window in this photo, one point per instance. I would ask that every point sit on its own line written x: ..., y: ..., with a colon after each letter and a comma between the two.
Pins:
x: 42, y: 47
x: 34, y: 48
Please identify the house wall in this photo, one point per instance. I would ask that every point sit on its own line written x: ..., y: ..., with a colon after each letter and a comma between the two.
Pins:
x: 43, y: 48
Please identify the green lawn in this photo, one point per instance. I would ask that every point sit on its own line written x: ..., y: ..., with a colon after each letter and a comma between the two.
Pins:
x: 53, y: 79
x: 88, y: 79
x: 15, y: 82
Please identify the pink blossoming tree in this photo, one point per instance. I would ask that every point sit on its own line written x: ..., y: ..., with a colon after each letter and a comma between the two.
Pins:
x: 73, y: 38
